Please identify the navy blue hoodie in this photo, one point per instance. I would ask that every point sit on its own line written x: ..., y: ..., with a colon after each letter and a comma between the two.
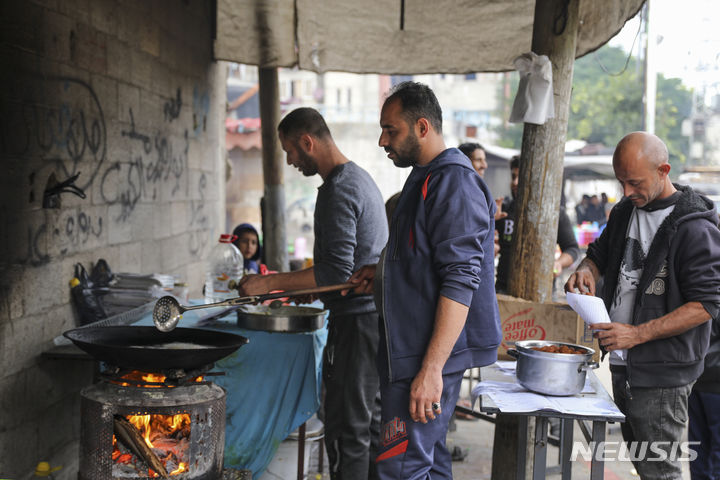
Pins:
x: 441, y: 243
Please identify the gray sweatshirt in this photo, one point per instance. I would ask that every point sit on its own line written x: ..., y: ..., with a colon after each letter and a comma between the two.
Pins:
x: 350, y: 231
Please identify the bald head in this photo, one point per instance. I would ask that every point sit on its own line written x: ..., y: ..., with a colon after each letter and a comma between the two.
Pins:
x: 641, y: 166
x: 641, y: 146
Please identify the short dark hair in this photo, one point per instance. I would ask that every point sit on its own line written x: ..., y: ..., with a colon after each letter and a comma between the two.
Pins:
x: 418, y: 101
x: 469, y: 147
x: 515, y: 162
x: 302, y: 121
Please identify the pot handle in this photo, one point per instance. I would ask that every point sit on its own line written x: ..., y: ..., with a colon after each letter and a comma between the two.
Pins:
x: 588, y: 366
x: 513, y: 353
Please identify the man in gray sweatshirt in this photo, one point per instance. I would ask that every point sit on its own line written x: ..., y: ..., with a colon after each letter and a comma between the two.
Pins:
x: 350, y: 231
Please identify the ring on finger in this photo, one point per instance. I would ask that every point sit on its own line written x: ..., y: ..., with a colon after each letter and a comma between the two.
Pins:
x: 436, y: 405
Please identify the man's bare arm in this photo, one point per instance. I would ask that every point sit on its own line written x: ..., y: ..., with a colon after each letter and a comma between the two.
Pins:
x: 619, y: 336
x: 427, y: 386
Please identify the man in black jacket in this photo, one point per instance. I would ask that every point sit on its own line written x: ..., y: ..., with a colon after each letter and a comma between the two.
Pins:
x: 660, y: 259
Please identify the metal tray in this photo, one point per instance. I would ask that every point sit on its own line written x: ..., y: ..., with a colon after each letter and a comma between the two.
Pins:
x: 286, y: 318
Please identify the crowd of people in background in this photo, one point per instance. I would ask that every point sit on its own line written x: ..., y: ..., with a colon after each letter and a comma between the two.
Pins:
x: 592, y: 208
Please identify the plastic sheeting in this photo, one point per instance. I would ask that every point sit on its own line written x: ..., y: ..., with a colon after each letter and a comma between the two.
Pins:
x: 393, y: 37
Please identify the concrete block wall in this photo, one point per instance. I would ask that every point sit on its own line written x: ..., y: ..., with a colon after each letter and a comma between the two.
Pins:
x: 124, y: 93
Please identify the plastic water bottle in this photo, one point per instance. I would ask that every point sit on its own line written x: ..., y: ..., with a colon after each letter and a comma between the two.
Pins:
x: 224, y: 264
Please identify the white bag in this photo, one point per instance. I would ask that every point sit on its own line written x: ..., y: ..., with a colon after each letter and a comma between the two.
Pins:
x: 534, y: 99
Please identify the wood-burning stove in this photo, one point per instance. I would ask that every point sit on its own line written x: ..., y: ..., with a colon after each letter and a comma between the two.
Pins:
x: 179, y: 416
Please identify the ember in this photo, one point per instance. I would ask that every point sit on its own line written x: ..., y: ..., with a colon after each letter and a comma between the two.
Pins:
x: 167, y: 438
x: 147, y: 380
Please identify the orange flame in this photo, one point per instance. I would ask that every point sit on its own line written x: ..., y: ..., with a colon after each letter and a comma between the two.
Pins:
x: 137, y: 377
x: 156, y: 428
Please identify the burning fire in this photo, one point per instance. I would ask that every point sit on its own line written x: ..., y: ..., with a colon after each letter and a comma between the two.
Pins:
x: 147, y: 380
x: 168, y: 436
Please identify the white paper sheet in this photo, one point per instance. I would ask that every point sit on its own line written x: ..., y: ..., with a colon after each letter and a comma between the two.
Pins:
x: 592, y: 310
x: 514, y: 398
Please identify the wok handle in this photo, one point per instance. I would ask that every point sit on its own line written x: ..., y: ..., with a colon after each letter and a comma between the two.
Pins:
x: 588, y: 366
x: 513, y: 353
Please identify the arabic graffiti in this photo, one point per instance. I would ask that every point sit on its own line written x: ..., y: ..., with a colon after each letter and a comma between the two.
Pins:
x: 56, y: 127
x: 125, y: 182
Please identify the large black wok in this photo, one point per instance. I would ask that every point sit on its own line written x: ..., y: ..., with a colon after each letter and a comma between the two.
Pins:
x: 147, y: 348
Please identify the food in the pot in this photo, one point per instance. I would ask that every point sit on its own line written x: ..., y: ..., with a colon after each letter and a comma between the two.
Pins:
x: 559, y: 349
x: 175, y: 346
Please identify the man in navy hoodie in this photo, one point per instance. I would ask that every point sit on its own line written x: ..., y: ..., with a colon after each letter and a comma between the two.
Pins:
x: 434, y: 287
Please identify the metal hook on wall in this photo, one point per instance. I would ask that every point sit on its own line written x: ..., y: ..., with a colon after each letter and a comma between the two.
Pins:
x: 53, y: 189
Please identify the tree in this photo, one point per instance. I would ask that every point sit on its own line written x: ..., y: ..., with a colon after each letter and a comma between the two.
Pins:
x: 607, y: 103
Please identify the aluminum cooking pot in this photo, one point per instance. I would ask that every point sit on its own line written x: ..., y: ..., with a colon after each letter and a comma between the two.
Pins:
x: 552, y: 373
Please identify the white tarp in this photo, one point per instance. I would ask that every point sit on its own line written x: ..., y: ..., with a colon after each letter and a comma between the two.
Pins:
x: 437, y: 36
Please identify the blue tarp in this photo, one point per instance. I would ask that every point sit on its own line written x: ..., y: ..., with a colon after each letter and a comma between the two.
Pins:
x: 273, y: 387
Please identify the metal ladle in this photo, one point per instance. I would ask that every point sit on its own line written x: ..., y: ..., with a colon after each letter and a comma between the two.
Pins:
x: 168, y: 311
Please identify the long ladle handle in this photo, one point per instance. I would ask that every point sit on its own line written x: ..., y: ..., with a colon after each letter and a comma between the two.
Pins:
x: 269, y: 296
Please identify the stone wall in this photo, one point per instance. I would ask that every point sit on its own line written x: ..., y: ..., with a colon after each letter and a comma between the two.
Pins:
x: 124, y: 94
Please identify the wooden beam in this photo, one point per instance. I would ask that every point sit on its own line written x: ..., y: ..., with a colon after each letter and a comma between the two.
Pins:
x: 537, y: 206
x: 273, y: 215
x: 543, y: 151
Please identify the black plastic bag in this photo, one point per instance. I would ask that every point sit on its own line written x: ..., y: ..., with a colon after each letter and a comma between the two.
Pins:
x: 88, y: 304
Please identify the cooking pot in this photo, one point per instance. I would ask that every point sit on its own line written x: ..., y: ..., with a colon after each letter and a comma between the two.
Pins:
x: 552, y: 373
x: 284, y: 318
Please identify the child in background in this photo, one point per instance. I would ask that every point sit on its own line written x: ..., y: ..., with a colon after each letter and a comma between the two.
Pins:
x: 248, y: 242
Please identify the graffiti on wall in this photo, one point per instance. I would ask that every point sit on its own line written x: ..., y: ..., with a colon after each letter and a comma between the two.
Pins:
x: 154, y: 162
x: 66, y: 137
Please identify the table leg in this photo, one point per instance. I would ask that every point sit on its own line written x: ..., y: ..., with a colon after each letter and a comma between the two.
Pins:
x: 540, y: 447
x: 566, y: 442
x: 301, y: 452
x: 597, y: 468
x: 522, y: 446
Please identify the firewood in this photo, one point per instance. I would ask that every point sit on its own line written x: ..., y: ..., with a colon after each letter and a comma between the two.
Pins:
x: 129, y: 435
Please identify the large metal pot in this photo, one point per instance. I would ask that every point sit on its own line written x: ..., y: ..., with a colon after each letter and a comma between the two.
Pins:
x: 552, y: 373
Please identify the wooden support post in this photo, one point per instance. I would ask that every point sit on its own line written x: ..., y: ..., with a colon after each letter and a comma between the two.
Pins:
x: 537, y: 206
x: 543, y: 153
x: 273, y: 227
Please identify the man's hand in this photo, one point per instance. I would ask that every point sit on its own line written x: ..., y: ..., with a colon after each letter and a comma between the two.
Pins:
x: 557, y: 268
x: 582, y: 280
x: 498, y: 212
x: 425, y: 390
x: 617, y: 336
x: 253, y: 285
x: 364, y: 279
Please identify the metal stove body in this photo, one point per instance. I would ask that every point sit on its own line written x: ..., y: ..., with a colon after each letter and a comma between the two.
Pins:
x: 183, y: 394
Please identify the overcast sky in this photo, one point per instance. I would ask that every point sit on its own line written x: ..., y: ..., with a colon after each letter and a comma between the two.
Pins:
x: 688, y: 36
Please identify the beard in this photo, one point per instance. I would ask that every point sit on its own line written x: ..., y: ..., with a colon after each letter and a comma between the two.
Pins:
x: 407, y: 153
x: 307, y: 164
